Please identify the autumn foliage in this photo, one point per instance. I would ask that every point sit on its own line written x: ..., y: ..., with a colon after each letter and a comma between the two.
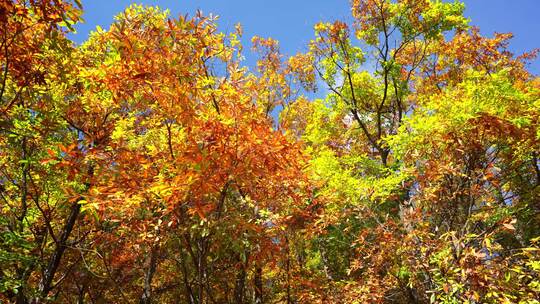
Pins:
x: 150, y: 164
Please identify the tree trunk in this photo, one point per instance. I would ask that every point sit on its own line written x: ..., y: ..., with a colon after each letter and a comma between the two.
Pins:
x: 258, y: 285
x: 146, y: 297
x: 45, y: 284
x: 240, y: 285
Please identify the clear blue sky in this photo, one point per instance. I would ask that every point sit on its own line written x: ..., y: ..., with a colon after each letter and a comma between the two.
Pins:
x: 291, y: 21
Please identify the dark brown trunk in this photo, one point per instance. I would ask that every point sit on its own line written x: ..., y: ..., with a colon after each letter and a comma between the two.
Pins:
x: 45, y: 285
x: 257, y: 281
x: 82, y: 291
x: 240, y: 285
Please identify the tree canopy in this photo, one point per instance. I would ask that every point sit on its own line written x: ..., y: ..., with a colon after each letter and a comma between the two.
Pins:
x: 150, y: 164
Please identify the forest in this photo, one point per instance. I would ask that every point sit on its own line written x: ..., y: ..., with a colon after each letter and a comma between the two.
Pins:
x: 151, y: 164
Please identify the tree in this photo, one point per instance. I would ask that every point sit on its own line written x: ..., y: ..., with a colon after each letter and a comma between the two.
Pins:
x: 146, y: 165
x: 36, y: 217
x: 402, y: 213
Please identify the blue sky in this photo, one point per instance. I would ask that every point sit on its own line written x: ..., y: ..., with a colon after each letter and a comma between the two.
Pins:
x: 291, y: 21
